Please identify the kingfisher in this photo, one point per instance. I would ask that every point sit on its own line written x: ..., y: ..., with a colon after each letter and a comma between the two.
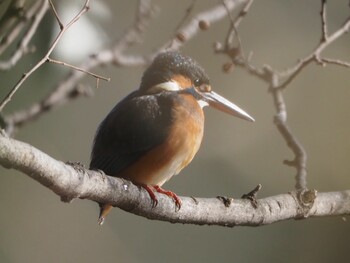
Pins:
x: 155, y: 131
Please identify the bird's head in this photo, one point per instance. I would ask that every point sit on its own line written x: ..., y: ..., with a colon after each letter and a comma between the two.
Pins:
x: 172, y: 71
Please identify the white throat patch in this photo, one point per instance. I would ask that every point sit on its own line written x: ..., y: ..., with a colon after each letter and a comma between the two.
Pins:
x: 202, y: 103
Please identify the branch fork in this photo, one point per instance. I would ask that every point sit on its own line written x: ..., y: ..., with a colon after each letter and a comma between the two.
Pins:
x: 71, y: 181
x: 46, y: 57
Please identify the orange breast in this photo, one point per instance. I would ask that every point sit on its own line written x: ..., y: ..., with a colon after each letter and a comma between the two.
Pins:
x: 168, y: 159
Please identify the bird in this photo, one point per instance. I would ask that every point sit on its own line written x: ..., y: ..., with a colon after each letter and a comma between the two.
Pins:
x: 156, y: 130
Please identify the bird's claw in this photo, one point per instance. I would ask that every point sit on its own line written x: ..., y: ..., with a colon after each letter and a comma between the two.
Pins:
x: 154, y: 201
x: 172, y: 195
x: 149, y: 189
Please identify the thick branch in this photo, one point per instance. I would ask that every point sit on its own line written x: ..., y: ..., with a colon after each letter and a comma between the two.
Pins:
x: 292, y: 141
x: 73, y: 181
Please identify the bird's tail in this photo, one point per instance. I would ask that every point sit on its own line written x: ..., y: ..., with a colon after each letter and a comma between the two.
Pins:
x: 104, y: 211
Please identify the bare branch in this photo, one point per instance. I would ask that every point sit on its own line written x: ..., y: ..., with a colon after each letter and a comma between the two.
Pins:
x: 12, y: 22
x: 314, y: 56
x: 35, y: 14
x: 23, y: 48
x: 77, y: 68
x: 236, y: 51
x: 212, y: 15
x: 59, y: 21
x: 116, y: 56
x: 73, y: 181
x: 324, y: 20
x: 44, y: 59
x: 187, y: 14
x: 235, y: 22
x: 280, y: 121
x: 67, y: 89
x: 277, y: 81
x: 335, y: 62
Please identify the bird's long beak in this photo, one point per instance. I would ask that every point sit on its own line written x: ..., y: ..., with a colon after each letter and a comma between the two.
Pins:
x: 218, y: 102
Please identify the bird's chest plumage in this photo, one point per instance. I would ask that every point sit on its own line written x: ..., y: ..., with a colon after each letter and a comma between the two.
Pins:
x: 184, y: 133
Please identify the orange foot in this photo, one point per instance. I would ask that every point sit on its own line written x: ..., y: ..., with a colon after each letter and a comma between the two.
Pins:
x: 172, y: 195
x: 151, y: 194
x: 150, y: 190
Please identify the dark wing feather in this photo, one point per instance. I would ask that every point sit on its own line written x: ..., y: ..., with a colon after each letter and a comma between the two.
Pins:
x: 133, y: 127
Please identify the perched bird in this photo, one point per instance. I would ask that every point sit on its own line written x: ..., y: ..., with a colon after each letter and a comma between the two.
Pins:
x: 154, y: 132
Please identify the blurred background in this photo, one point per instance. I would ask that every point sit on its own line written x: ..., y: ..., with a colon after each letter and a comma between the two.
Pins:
x: 35, y: 226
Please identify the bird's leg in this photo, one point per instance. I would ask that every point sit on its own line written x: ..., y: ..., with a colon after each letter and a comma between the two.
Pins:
x: 176, y: 199
x: 151, y: 194
x: 150, y: 190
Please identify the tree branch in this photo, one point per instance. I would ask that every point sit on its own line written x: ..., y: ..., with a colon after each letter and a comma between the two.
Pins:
x: 315, y: 55
x: 23, y: 48
x: 26, y: 75
x: 73, y: 181
x: 278, y: 80
x: 13, y: 21
x: 210, y: 16
x: 323, y: 14
x: 54, y: 61
x: 66, y: 89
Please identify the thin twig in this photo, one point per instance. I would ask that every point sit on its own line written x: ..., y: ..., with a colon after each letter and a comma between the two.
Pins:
x: 212, y: 15
x: 97, y: 83
x: 116, y: 56
x: 14, y: 15
x: 64, y: 89
x: 314, y: 56
x: 58, y: 19
x: 26, y: 75
x: 232, y: 30
x: 23, y: 48
x: 335, y: 62
x: 13, y: 24
x: 187, y: 14
x: 274, y: 79
x: 236, y: 51
x: 77, y: 68
x: 324, y: 20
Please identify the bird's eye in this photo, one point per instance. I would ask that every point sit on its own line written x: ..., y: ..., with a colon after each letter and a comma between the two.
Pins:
x: 197, y: 82
x: 204, y: 88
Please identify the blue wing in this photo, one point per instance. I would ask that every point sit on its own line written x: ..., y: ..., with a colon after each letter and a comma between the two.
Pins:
x: 133, y: 127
